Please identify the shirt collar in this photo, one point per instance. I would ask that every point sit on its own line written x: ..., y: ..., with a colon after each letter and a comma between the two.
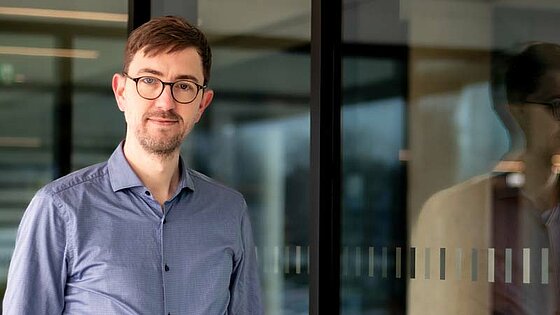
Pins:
x: 122, y: 176
x: 186, y: 180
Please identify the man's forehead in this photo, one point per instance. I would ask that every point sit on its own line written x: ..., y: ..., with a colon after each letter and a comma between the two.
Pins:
x: 185, y: 60
x: 155, y: 53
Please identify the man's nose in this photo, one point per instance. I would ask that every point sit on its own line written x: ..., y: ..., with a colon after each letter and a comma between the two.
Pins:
x: 166, y: 101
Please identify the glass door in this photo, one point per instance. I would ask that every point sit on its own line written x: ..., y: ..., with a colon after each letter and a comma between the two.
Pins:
x: 450, y: 157
x: 255, y: 135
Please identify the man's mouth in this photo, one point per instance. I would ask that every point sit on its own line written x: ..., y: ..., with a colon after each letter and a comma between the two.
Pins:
x: 162, y: 119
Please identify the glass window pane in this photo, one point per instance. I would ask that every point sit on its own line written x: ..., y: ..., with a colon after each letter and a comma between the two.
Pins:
x: 47, y: 56
x: 255, y: 135
x: 450, y: 157
x: 97, y: 123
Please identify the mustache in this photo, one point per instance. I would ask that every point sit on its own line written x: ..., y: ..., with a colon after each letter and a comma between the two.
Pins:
x: 163, y: 115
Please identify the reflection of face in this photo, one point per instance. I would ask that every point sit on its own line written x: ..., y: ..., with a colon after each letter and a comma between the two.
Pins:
x: 542, y: 136
x: 542, y: 130
x: 160, y: 125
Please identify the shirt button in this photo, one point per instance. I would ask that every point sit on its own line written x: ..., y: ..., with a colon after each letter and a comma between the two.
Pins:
x: 147, y: 193
x: 166, y: 267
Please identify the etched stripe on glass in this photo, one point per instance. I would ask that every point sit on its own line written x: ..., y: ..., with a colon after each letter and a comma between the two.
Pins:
x: 474, y: 264
x: 358, y: 261
x: 398, y: 264
x: 526, y: 265
x: 345, y: 261
x: 427, y: 263
x: 413, y: 263
x: 442, y: 263
x: 491, y: 254
x: 287, y: 259
x: 508, y: 266
x: 544, y: 265
x: 307, y: 259
x: 371, y: 270
x: 276, y: 259
x: 265, y: 259
x: 384, y: 261
x: 458, y: 263
x: 298, y: 259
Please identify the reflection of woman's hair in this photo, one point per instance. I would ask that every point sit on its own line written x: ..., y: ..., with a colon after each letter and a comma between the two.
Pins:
x: 525, y: 69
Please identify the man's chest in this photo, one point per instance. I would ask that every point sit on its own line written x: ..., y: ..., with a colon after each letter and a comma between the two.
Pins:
x: 134, y: 257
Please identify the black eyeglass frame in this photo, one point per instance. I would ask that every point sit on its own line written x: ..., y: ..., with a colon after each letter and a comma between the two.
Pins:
x: 554, y: 105
x: 171, y: 84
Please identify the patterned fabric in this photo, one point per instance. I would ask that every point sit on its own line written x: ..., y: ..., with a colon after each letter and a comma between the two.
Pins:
x: 96, y: 242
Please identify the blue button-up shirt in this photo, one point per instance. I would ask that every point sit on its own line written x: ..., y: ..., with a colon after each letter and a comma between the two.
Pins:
x: 97, y: 242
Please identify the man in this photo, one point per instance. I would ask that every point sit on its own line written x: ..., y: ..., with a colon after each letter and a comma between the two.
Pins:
x: 501, y: 230
x: 141, y: 233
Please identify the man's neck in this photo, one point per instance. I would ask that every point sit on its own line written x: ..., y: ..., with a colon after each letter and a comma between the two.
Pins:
x: 541, y: 183
x: 160, y: 174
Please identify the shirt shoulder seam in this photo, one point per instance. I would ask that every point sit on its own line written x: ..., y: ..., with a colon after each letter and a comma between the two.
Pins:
x: 63, y: 213
x: 75, y: 180
x: 213, y: 182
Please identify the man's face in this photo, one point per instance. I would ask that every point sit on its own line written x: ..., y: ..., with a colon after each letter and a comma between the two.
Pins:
x: 541, y: 128
x: 542, y: 136
x: 160, y: 125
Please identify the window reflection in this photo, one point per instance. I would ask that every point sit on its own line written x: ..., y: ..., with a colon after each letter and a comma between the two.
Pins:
x: 463, y: 251
x: 53, y: 53
x: 487, y: 205
x: 373, y: 265
x: 255, y: 136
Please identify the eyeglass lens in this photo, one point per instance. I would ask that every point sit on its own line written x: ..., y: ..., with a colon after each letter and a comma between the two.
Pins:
x: 152, y: 88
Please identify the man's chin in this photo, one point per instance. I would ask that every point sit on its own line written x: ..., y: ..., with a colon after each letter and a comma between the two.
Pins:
x: 160, y: 150
x: 161, y: 147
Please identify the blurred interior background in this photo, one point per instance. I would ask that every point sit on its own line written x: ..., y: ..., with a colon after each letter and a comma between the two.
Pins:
x: 416, y: 118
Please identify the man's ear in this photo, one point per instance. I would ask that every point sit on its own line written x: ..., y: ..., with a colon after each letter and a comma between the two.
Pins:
x: 204, y: 103
x: 118, y: 84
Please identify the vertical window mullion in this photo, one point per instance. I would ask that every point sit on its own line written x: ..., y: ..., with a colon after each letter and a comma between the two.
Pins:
x: 326, y: 38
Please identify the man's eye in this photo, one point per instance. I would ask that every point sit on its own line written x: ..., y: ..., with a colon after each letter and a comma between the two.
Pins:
x: 183, y: 86
x: 148, y: 80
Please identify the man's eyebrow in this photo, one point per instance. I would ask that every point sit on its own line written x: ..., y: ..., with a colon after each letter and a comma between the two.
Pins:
x: 150, y: 71
x: 179, y: 77
x: 186, y: 77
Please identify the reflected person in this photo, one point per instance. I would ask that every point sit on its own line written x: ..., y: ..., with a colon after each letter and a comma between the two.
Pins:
x: 141, y: 233
x: 501, y: 230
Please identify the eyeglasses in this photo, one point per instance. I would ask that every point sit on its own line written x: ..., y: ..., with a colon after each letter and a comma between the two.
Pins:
x: 554, y: 105
x: 182, y: 91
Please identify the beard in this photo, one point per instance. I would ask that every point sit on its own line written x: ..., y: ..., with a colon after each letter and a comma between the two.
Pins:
x: 161, y: 147
x: 166, y: 142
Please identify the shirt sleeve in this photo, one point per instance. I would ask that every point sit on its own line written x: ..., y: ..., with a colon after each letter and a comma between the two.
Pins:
x: 245, y: 288
x: 37, y: 273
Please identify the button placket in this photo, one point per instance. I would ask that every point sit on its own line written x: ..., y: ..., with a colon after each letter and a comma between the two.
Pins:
x: 166, y: 268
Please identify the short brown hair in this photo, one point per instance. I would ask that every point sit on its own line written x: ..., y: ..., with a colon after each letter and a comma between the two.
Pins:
x: 526, y: 69
x: 168, y: 34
